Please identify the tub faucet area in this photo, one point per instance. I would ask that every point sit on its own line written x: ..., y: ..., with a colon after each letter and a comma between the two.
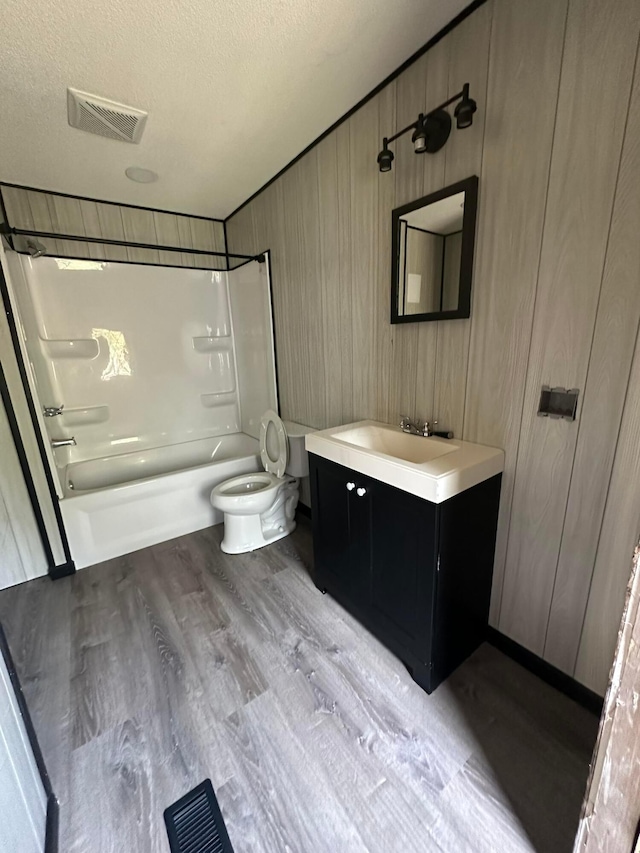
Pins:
x: 52, y: 411
x: 63, y: 442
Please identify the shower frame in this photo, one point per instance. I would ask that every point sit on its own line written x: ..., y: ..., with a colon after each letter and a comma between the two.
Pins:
x: 9, y: 232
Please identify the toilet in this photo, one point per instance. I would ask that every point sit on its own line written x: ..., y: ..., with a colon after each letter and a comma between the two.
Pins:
x: 259, y: 508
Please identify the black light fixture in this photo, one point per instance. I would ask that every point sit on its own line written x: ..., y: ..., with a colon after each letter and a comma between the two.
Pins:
x: 385, y: 157
x: 465, y: 109
x: 431, y: 131
x: 419, y: 137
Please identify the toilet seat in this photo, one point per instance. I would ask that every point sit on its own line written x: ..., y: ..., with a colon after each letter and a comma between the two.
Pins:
x: 248, y: 494
x: 274, y: 447
x: 246, y: 484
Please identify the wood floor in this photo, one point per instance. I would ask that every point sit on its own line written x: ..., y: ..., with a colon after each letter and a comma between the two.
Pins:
x: 149, y: 673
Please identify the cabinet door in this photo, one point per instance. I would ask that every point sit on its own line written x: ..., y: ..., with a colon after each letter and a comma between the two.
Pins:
x: 340, y: 530
x: 403, y: 566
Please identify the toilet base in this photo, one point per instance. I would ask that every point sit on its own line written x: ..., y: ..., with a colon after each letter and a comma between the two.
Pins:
x: 248, y: 534
x: 244, y: 533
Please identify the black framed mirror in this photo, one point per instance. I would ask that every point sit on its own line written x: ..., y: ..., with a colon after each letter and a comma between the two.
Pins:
x: 433, y: 240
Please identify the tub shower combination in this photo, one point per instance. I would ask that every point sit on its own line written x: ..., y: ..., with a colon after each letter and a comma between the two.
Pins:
x: 151, y: 383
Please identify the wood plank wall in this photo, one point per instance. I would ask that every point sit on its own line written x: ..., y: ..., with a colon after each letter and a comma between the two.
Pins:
x: 42, y: 211
x: 556, y: 296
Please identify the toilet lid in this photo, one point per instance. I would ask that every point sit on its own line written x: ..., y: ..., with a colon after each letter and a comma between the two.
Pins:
x: 274, y: 447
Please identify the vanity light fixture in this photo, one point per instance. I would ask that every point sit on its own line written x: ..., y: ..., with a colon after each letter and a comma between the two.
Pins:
x: 431, y: 131
x: 419, y: 137
x: 385, y: 157
x: 465, y: 109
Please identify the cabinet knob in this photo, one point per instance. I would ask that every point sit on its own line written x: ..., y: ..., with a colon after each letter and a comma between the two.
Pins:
x: 351, y: 486
x: 361, y: 492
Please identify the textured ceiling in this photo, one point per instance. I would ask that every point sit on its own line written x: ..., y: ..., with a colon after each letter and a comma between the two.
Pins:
x: 234, y: 89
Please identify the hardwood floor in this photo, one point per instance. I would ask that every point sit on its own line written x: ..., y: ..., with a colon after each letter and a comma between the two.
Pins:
x: 148, y: 673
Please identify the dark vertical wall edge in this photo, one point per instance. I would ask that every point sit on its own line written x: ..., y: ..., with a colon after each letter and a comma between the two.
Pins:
x: 226, y: 243
x: 4, y: 296
x: 26, y: 471
x: 52, y: 831
x: 266, y: 255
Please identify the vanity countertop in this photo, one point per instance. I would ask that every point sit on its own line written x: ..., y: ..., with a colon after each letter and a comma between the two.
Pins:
x: 432, y: 468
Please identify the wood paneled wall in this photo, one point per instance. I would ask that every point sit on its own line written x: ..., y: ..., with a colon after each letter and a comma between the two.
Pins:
x: 56, y: 214
x: 556, y: 296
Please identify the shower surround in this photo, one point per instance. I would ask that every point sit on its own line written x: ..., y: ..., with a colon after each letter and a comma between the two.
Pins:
x: 160, y: 375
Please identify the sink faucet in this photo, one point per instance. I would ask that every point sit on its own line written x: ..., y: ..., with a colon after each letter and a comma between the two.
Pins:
x: 63, y: 442
x: 415, y: 427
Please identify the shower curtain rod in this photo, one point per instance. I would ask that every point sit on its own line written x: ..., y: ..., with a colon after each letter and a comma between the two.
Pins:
x: 50, y: 235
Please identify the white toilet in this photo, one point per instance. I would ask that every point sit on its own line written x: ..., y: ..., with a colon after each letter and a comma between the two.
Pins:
x: 259, y: 508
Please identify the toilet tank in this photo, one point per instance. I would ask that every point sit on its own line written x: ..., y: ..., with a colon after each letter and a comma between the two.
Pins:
x: 298, y: 465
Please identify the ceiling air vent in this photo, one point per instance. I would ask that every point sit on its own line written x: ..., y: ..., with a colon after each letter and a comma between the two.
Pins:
x: 106, y: 118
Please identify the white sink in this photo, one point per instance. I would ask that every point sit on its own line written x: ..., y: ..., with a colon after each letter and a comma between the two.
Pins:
x: 432, y: 468
x: 394, y: 442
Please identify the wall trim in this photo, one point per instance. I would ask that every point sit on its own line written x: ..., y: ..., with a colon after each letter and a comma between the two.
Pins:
x: 453, y: 23
x: 52, y: 830
x: 104, y: 201
x: 546, y: 671
x: 63, y: 570
x: 303, y: 510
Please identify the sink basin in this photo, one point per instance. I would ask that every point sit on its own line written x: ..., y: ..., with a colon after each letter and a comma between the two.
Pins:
x: 435, y: 469
x: 392, y: 442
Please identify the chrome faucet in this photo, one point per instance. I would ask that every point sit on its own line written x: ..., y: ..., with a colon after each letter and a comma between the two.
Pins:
x: 415, y: 427
x: 407, y: 425
x: 63, y: 442
x: 52, y: 411
x: 425, y: 428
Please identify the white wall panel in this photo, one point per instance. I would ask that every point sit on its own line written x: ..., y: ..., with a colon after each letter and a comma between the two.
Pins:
x: 140, y: 356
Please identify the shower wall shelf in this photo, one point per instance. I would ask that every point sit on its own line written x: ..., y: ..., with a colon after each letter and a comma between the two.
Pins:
x: 212, y: 343
x: 80, y: 348
x: 215, y: 401
x: 85, y: 417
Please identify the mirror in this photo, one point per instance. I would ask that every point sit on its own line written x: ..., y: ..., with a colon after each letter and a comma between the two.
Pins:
x: 432, y: 252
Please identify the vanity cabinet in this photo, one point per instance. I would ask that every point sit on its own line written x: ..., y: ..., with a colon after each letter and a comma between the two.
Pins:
x: 417, y: 574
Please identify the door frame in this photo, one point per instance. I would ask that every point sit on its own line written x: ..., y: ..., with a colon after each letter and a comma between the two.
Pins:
x: 610, y: 818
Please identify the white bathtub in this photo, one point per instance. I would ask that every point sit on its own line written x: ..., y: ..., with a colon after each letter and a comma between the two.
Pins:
x: 118, y: 504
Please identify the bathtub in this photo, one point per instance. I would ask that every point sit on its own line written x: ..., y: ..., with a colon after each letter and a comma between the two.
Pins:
x: 118, y: 504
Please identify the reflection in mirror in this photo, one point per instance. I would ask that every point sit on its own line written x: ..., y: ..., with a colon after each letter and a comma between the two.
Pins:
x: 433, y: 252
x: 430, y: 245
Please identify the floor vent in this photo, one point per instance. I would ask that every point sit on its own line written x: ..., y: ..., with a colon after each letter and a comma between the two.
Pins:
x: 195, y: 823
x: 104, y: 118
